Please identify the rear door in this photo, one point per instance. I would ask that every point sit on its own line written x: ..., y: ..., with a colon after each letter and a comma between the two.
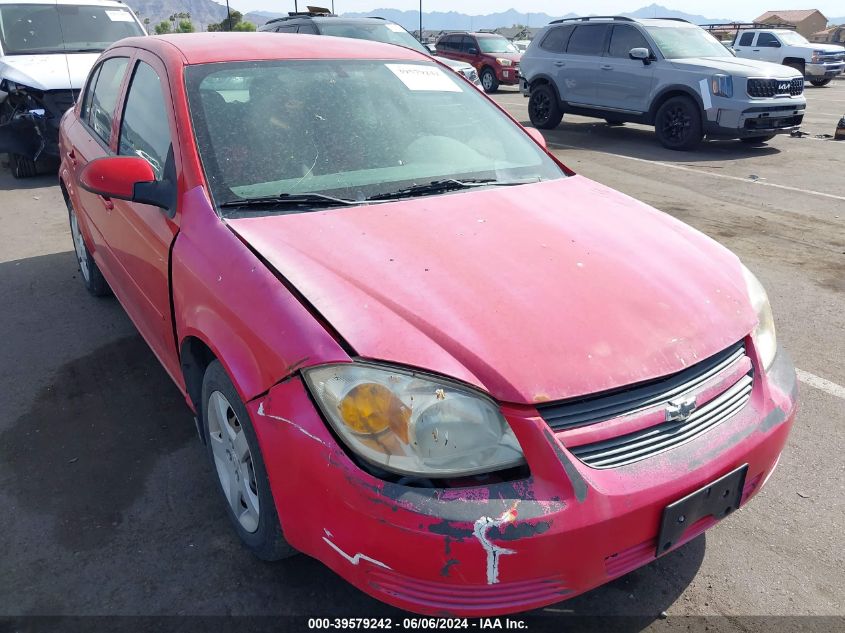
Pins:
x: 767, y: 47
x: 583, y: 61
x: 140, y: 235
x: 744, y: 44
x: 91, y: 138
x: 624, y: 84
x: 550, y: 57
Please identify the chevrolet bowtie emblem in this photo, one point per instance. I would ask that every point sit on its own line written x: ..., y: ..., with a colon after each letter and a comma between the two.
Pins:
x: 679, y: 410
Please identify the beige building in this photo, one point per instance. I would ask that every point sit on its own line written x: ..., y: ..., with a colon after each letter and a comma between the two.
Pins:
x: 807, y: 21
x: 833, y: 35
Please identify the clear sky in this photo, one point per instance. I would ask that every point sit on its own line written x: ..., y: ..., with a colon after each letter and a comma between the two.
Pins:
x: 729, y: 9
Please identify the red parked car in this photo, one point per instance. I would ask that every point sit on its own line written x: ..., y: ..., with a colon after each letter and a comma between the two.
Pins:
x: 494, y: 57
x: 466, y: 379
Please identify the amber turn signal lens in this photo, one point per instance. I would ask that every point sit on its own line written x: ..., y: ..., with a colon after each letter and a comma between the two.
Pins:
x: 371, y: 408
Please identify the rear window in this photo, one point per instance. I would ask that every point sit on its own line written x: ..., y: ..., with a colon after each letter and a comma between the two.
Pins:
x: 32, y: 29
x: 746, y: 39
x: 556, y: 39
x: 588, y: 39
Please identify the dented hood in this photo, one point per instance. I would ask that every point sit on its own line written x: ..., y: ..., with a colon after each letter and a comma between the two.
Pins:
x: 535, y: 292
x: 56, y: 71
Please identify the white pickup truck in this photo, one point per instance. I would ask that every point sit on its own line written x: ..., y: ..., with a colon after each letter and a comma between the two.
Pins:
x: 819, y: 63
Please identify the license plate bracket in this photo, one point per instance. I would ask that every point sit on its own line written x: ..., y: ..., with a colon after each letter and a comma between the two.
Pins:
x: 718, y: 498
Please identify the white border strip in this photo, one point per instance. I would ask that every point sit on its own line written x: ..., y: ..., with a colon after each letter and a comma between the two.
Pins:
x: 820, y: 383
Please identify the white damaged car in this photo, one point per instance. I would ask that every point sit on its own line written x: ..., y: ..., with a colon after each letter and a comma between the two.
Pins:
x: 46, y: 52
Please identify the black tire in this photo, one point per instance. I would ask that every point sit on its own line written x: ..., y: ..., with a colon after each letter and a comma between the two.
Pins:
x: 799, y: 66
x: 614, y: 122
x: 22, y: 167
x: 544, y: 108
x: 488, y: 80
x: 678, y: 124
x: 757, y: 140
x: 93, y: 279
x: 818, y: 83
x: 266, y: 541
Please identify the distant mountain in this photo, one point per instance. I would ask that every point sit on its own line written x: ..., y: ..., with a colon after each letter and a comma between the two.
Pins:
x: 204, y: 12
x: 836, y: 21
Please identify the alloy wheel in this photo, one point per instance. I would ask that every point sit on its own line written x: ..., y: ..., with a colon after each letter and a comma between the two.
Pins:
x: 676, y: 124
x: 541, y: 106
x: 233, y: 460
x: 487, y: 80
x: 79, y: 247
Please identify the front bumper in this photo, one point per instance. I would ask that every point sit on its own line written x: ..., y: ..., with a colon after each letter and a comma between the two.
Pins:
x: 508, y: 76
x: 507, y: 546
x: 755, y: 118
x: 824, y: 71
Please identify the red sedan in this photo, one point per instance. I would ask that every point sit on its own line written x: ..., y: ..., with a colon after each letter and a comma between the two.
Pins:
x: 419, y: 348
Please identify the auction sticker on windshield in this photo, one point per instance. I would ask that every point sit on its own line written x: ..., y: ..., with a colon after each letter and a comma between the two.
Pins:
x: 417, y: 77
x: 119, y: 15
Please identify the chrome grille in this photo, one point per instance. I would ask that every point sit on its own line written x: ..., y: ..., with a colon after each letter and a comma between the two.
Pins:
x: 633, y: 447
x: 764, y: 88
x: 574, y: 413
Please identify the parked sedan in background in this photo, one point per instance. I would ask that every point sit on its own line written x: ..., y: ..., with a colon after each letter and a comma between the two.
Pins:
x: 492, y: 55
x: 419, y: 348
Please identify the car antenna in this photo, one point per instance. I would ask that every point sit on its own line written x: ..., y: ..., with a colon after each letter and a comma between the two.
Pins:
x: 64, y: 46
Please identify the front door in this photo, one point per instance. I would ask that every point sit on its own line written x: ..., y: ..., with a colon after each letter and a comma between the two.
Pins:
x: 141, y: 235
x: 624, y: 83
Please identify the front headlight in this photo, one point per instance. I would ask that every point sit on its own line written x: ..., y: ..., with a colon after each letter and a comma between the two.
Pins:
x: 817, y: 57
x: 414, y: 424
x: 506, y: 63
x: 764, y: 336
x: 722, y: 86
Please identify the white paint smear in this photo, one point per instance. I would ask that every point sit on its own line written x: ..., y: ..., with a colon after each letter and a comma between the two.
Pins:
x: 419, y: 77
x: 354, y: 559
x: 286, y: 421
x: 482, y: 526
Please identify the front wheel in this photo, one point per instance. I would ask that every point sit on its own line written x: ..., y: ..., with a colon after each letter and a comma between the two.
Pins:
x: 678, y: 124
x: 236, y: 460
x: 489, y: 81
x: 93, y: 279
x: 820, y: 82
x: 22, y: 167
x: 757, y: 140
x: 543, y: 108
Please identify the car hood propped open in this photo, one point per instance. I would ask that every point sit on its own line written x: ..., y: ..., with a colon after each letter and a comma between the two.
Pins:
x: 534, y: 293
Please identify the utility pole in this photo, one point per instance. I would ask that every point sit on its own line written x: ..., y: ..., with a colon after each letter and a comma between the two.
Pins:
x: 228, y: 16
x: 421, y: 33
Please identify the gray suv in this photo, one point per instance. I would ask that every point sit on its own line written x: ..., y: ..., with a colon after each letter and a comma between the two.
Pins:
x: 662, y: 72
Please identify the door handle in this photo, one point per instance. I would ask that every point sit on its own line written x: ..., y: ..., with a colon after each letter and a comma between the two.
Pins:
x: 606, y: 67
x: 71, y: 156
x: 107, y: 203
x: 755, y: 50
x: 560, y: 64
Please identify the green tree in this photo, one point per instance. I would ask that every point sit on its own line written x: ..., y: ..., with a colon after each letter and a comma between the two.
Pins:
x: 234, y: 23
x: 244, y: 26
x: 185, y: 26
x: 163, y: 27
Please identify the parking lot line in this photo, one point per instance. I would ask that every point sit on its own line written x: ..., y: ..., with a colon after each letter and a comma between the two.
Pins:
x: 820, y: 383
x: 702, y: 171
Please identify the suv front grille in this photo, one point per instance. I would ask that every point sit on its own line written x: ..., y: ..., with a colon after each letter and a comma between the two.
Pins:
x: 764, y: 88
x: 569, y: 414
x: 633, y: 447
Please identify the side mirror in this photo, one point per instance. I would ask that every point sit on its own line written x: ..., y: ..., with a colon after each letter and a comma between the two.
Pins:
x: 534, y: 133
x: 125, y: 178
x: 473, y: 51
x: 643, y: 54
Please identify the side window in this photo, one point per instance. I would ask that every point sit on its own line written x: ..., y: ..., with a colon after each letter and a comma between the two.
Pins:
x: 89, y: 93
x: 556, y: 39
x: 467, y: 43
x: 588, y: 39
x: 145, y: 130
x: 768, y: 40
x: 286, y: 28
x: 746, y: 38
x: 308, y: 28
x: 100, y: 114
x: 623, y: 39
x: 444, y: 44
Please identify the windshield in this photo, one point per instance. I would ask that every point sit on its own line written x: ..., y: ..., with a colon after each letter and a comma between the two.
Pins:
x: 496, y: 45
x: 684, y: 42
x: 792, y: 38
x: 351, y: 129
x: 388, y: 32
x: 31, y: 29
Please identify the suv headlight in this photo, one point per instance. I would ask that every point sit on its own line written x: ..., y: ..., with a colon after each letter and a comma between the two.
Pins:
x: 764, y: 336
x: 817, y: 57
x: 506, y: 63
x: 722, y: 86
x: 413, y: 424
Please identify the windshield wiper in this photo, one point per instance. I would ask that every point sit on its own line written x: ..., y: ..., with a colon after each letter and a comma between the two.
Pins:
x: 449, y: 184
x: 314, y: 200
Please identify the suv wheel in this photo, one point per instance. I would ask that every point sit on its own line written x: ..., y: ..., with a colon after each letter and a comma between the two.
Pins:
x: 799, y: 66
x: 678, y: 124
x: 488, y: 80
x: 543, y: 108
x: 22, y: 167
x: 820, y: 82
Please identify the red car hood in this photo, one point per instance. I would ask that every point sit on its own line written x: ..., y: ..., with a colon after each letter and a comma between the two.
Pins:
x: 535, y: 292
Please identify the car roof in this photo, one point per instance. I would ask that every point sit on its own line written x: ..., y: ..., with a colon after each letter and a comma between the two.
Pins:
x: 86, y: 3
x: 203, y: 48
x: 667, y: 22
